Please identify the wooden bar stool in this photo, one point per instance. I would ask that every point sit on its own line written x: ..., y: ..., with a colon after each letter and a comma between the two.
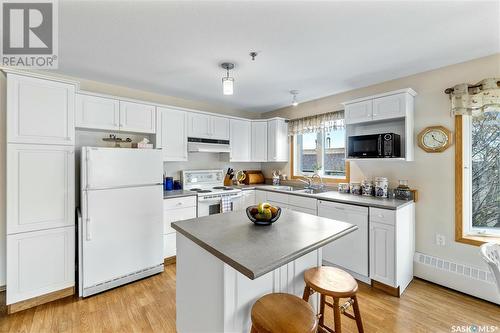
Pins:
x: 334, y: 282
x: 283, y: 313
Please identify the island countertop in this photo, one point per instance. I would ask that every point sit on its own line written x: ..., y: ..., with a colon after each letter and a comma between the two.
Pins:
x: 256, y: 250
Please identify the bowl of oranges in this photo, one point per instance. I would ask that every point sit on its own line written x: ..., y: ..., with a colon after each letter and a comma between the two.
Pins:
x: 263, y: 213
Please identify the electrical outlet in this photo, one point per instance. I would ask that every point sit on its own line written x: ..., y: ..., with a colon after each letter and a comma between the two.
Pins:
x: 440, y: 240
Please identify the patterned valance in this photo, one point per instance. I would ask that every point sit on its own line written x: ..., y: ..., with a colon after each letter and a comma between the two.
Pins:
x: 313, y: 124
x: 467, y: 99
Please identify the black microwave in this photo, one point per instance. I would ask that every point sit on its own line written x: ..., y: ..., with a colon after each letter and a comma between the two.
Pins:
x: 384, y: 145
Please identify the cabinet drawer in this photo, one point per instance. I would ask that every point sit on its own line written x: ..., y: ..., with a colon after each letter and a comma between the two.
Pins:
x: 278, y: 204
x: 303, y: 210
x: 384, y: 216
x: 179, y: 202
x: 342, y: 207
x: 173, y: 215
x: 295, y: 200
x: 277, y: 197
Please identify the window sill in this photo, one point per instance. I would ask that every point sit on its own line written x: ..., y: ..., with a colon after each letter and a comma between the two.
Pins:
x: 477, y: 240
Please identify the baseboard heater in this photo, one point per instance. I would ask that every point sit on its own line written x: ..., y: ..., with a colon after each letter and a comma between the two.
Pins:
x: 119, y: 281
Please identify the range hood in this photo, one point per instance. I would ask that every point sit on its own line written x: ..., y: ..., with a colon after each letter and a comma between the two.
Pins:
x: 200, y: 145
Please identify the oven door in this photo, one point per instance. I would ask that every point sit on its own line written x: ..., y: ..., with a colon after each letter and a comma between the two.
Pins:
x: 208, y: 206
x: 365, y: 146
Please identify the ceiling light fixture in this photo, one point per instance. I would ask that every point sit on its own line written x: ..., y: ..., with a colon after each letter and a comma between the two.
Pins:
x: 227, y: 81
x: 294, y: 93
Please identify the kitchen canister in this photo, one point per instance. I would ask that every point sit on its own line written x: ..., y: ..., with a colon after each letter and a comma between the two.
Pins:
x: 367, y: 188
x: 355, y: 188
x: 381, y: 187
x: 343, y: 187
x: 402, y: 192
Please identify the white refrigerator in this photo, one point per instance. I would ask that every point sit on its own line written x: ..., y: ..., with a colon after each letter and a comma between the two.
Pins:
x: 121, y: 225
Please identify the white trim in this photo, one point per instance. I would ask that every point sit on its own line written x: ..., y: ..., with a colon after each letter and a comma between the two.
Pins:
x: 39, y: 76
x: 468, y: 229
x: 389, y: 93
x: 140, y: 101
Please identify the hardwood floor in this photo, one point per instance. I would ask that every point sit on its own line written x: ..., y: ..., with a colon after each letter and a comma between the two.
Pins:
x: 149, y: 306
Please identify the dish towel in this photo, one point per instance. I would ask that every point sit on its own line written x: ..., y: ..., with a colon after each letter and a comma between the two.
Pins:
x: 226, y: 204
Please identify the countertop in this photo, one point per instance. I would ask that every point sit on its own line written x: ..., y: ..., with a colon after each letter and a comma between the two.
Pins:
x: 177, y: 194
x: 256, y: 250
x: 335, y: 196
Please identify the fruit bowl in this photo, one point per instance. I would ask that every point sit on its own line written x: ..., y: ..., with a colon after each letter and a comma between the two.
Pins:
x: 257, y: 214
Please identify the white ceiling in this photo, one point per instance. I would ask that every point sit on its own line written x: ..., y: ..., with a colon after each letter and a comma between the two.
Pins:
x: 319, y: 48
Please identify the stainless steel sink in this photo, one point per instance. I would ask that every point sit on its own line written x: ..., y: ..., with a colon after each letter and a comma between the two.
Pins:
x: 313, y: 190
x: 282, y: 188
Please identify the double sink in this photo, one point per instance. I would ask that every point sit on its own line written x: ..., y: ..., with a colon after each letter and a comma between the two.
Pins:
x: 300, y: 190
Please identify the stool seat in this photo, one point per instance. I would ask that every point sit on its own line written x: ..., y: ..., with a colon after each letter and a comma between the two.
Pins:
x: 331, y: 281
x: 283, y: 313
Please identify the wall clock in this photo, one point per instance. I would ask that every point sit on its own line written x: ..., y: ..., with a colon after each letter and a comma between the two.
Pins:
x: 434, y: 139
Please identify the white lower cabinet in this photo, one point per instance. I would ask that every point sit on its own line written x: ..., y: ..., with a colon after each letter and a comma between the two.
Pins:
x: 382, y: 253
x: 40, y: 262
x: 350, y: 251
x: 392, y: 246
x: 260, y: 196
x: 248, y: 198
x: 175, y: 209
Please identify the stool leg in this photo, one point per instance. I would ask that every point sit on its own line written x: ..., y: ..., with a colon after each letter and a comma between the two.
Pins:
x: 307, y: 293
x: 322, y: 311
x: 336, y: 315
x: 359, y: 323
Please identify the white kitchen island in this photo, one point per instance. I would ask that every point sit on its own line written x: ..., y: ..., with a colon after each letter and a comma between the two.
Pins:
x: 225, y: 263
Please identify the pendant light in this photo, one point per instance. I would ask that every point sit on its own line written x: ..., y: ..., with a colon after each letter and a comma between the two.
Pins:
x: 227, y: 81
x: 294, y: 93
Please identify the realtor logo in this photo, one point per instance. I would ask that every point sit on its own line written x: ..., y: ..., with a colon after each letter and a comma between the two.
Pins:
x: 29, y: 33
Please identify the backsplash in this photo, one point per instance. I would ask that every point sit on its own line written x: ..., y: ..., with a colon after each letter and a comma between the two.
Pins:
x: 199, y: 161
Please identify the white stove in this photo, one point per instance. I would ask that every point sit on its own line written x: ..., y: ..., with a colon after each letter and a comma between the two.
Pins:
x: 209, y: 186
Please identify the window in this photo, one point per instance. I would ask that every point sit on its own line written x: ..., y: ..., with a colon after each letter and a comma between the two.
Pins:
x: 480, y: 174
x: 322, y: 152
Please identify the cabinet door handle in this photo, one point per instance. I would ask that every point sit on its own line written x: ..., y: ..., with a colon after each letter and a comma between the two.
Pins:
x: 88, y: 233
x: 179, y: 204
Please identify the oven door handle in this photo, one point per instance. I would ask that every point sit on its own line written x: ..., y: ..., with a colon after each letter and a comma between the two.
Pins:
x: 209, y: 200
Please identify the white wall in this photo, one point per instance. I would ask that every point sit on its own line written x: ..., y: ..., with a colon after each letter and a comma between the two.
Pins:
x: 3, y: 145
x: 431, y: 174
x: 198, y: 161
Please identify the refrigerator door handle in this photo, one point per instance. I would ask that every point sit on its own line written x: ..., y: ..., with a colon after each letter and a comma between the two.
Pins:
x: 88, y: 232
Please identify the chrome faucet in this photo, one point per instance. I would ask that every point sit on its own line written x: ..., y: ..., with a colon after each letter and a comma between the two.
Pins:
x: 310, y: 180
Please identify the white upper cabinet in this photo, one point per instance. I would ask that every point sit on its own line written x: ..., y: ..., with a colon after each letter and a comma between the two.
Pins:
x: 199, y: 125
x: 40, y: 111
x: 171, y: 134
x: 205, y: 126
x: 97, y: 112
x: 388, y: 107
x: 137, y: 117
x: 277, y: 140
x: 220, y: 128
x: 358, y: 112
x: 259, y: 141
x: 240, y: 140
x: 40, y: 187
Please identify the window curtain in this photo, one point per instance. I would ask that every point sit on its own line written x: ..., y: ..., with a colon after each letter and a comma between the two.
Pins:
x: 314, y: 124
x: 467, y: 99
